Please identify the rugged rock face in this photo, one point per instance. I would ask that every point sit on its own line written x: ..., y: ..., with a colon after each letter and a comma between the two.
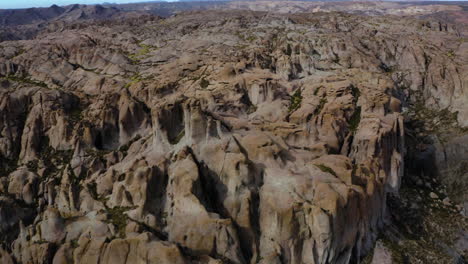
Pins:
x: 217, y: 137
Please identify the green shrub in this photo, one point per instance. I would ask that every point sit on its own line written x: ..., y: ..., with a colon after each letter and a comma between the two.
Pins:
x: 25, y: 80
x: 204, y: 83
x: 317, y: 90
x: 355, y: 119
x: 356, y: 93
x: 288, y: 50
x: 319, y: 108
x: 118, y: 218
x: 296, y: 100
x: 326, y: 169
x: 178, y: 137
x: 451, y: 54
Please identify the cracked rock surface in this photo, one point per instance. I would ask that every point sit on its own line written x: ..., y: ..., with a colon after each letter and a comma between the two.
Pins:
x: 220, y: 137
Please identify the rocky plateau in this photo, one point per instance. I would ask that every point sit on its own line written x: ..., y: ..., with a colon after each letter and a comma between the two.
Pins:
x: 234, y: 132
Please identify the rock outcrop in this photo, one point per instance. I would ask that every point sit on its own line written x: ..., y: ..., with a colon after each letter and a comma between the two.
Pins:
x: 216, y: 137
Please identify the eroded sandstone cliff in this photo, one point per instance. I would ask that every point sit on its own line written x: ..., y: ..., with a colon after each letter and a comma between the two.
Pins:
x: 219, y: 137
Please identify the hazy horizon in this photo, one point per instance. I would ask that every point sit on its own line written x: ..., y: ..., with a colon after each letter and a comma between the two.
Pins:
x: 8, y: 4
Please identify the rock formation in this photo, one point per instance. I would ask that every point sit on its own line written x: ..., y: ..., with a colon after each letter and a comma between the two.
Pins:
x: 221, y: 136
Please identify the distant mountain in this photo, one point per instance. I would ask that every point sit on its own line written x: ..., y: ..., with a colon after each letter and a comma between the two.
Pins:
x: 10, y: 17
x: 34, y: 20
x: 77, y: 12
x: 14, y: 17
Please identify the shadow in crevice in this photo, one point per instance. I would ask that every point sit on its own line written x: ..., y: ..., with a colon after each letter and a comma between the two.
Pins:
x: 156, y: 195
x: 212, y: 193
x: 172, y: 121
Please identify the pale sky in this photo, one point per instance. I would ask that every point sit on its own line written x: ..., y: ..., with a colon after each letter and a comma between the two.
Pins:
x: 46, y: 3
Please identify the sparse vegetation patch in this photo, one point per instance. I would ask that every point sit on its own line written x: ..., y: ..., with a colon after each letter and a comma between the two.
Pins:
x: 326, y: 169
x: 295, y: 101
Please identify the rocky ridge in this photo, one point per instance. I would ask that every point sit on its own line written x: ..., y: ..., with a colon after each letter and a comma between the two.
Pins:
x: 219, y: 136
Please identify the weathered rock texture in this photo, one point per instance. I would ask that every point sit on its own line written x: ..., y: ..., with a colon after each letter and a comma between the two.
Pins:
x: 214, y: 137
